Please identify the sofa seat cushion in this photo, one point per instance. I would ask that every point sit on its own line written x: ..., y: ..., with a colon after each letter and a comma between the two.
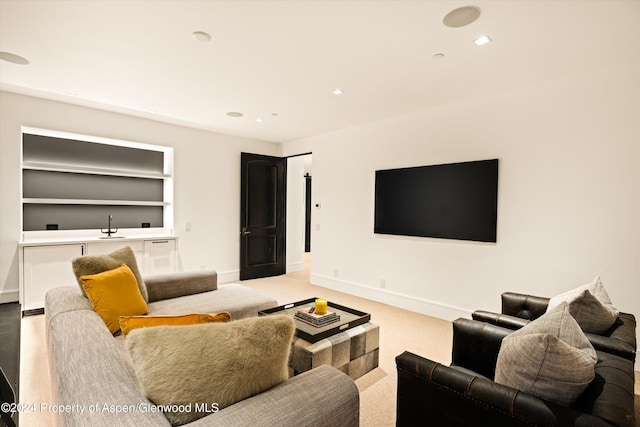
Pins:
x: 241, y: 302
x: 550, y: 358
x: 201, y: 367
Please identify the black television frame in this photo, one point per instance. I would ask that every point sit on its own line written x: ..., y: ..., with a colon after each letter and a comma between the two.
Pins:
x: 456, y: 201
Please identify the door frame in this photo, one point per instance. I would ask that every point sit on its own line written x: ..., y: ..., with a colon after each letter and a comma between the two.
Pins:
x: 284, y: 192
x: 275, y: 231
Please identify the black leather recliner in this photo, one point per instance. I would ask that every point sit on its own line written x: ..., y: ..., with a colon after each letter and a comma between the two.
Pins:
x: 464, y: 393
x: 520, y: 309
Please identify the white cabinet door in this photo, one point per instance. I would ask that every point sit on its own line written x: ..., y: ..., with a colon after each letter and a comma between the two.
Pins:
x: 159, y: 256
x: 47, y: 267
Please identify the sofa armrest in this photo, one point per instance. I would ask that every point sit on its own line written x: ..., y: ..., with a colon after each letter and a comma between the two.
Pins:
x: 498, y: 319
x: 476, y: 345
x: 525, y: 306
x: 322, y: 396
x: 433, y: 394
x: 173, y: 285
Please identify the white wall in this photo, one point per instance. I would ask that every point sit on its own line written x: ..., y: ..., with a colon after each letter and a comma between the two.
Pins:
x: 569, y: 197
x: 206, y: 184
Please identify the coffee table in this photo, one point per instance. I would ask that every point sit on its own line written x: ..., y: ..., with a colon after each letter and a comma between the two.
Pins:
x: 350, y: 344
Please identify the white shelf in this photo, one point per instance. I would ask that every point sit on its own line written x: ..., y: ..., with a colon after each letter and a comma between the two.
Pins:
x: 92, y: 202
x: 92, y: 170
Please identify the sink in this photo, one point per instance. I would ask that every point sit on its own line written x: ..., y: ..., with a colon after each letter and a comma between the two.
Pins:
x: 112, y: 237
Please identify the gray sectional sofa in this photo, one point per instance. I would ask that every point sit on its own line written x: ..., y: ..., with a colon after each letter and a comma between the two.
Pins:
x: 92, y: 374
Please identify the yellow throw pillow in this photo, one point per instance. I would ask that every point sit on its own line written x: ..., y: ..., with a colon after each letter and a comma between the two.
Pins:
x: 114, y: 293
x: 129, y: 323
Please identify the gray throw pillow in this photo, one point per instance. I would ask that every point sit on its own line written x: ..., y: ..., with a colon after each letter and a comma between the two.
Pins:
x: 94, y: 264
x: 550, y: 358
x: 590, y: 305
x: 219, y: 363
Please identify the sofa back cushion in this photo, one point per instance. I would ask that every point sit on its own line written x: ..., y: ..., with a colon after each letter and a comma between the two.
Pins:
x: 173, y: 285
x: 195, y: 367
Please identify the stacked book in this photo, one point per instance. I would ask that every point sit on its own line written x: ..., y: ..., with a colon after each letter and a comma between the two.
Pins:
x: 316, y: 319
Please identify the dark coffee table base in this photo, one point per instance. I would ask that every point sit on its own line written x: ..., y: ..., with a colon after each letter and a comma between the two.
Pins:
x: 354, y: 351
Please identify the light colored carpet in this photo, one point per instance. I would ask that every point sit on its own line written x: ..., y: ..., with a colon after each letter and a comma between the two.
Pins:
x: 400, y: 330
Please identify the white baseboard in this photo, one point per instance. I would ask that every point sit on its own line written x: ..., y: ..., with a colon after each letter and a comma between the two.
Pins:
x: 234, y: 275
x: 9, y: 296
x: 396, y: 299
x: 298, y: 266
x: 228, y: 276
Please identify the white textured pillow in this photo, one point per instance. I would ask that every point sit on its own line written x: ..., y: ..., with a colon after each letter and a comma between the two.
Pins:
x: 220, y: 363
x: 550, y: 358
x: 590, y: 305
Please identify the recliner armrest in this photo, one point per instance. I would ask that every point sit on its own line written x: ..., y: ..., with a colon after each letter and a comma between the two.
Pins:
x: 476, y: 345
x: 504, y: 320
x: 524, y: 306
x: 173, y: 285
x: 620, y: 339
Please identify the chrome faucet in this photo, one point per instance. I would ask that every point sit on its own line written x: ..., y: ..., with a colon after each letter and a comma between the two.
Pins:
x: 109, y: 231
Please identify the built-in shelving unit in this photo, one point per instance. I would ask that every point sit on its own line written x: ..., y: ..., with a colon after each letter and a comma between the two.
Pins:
x: 75, y: 182
x: 71, y: 185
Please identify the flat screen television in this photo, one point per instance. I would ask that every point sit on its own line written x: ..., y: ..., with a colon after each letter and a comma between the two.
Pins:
x: 449, y: 201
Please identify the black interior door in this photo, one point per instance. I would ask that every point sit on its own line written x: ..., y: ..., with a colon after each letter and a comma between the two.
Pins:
x: 262, y: 216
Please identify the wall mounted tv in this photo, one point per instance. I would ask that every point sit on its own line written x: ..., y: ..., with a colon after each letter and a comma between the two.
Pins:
x: 450, y: 201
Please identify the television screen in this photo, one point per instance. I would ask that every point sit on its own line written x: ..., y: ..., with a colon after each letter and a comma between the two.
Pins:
x: 450, y: 201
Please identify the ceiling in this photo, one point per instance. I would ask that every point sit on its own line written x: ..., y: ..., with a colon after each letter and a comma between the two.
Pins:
x: 280, y: 61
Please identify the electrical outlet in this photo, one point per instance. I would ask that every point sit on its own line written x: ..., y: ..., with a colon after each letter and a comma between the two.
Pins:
x: 187, y: 226
x: 335, y: 272
x: 383, y: 283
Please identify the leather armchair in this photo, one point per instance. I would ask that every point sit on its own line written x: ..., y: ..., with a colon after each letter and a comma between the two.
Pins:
x: 464, y: 393
x: 520, y: 309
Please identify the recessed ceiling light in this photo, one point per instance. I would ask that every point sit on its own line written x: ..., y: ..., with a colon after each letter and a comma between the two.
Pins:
x: 274, y: 114
x: 71, y: 94
x: 338, y: 92
x: 13, y: 58
x: 482, y: 40
x: 438, y: 56
x: 461, y: 16
x: 201, y: 36
x: 234, y: 114
x: 259, y: 120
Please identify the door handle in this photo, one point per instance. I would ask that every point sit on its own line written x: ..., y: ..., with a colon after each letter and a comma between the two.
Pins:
x: 244, y: 231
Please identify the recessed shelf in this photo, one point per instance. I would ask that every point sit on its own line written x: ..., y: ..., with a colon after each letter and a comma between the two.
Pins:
x: 76, y: 181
